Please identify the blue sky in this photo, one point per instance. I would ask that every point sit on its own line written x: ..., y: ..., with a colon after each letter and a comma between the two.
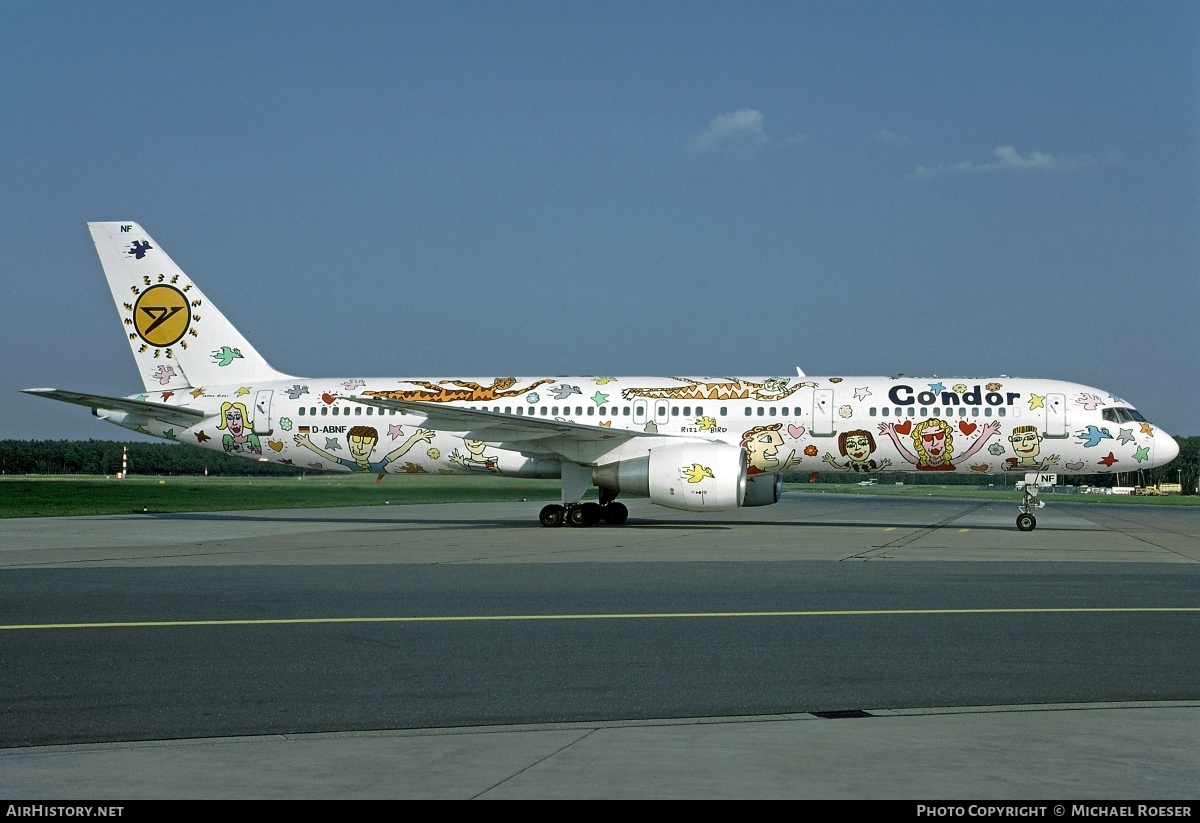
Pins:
x: 491, y: 188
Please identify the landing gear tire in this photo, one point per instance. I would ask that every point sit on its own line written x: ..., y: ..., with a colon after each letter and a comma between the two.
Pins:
x: 553, y: 515
x: 1026, y: 522
x: 614, y: 513
x: 578, y: 516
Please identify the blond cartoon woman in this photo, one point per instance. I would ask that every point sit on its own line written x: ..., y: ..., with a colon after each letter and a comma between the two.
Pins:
x: 933, y: 442
x: 237, y: 438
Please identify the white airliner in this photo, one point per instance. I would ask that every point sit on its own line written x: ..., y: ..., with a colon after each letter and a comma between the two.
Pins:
x: 691, y: 443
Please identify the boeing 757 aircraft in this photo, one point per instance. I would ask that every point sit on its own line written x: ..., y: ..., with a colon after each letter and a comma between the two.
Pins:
x: 690, y: 443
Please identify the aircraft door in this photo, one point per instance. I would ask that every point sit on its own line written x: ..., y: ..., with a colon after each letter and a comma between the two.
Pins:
x: 822, y: 412
x: 262, y: 412
x: 660, y: 412
x: 639, y: 411
x: 1056, y: 416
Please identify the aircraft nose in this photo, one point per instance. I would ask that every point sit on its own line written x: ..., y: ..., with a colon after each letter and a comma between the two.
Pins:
x: 1166, y: 448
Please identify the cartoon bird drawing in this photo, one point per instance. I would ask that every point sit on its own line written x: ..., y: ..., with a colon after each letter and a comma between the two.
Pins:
x: 225, y: 355
x: 295, y: 391
x: 706, y: 423
x: 695, y: 473
x: 1091, y: 436
x: 563, y: 391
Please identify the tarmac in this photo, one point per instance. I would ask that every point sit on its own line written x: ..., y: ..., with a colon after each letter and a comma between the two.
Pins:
x: 1061, y: 752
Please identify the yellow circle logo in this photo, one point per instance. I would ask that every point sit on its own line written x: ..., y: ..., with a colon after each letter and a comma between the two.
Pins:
x: 161, y: 315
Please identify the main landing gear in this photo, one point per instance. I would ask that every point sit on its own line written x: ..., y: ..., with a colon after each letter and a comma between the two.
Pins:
x: 584, y: 514
x: 1030, y: 503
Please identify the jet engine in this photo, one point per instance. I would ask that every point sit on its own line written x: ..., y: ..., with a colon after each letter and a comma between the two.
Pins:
x: 763, y: 489
x: 688, y: 476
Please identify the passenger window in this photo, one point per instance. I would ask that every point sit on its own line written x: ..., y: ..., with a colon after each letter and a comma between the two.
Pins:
x: 300, y: 411
x: 772, y: 412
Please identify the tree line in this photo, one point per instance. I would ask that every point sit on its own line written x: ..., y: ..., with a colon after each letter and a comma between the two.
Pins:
x: 104, y: 457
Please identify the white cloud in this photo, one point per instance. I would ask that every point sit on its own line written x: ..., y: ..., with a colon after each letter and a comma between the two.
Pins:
x: 1007, y: 159
x: 885, y: 136
x: 739, y: 133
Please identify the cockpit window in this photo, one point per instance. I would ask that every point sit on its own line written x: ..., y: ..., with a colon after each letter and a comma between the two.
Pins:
x: 1120, y: 414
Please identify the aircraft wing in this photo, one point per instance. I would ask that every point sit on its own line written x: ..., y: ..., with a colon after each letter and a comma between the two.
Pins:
x: 500, y: 429
x: 181, y: 415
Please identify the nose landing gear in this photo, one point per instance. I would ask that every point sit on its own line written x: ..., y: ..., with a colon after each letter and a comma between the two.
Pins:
x: 1030, y: 503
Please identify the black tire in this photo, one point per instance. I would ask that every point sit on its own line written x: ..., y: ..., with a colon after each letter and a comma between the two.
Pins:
x: 576, y: 516
x: 1026, y: 522
x: 553, y: 515
x: 592, y: 512
x: 615, y: 513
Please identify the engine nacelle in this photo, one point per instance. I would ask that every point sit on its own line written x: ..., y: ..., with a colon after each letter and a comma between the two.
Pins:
x: 689, y: 476
x: 763, y: 489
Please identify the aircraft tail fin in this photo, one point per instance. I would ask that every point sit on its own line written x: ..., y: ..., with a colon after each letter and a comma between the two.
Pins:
x: 179, y: 339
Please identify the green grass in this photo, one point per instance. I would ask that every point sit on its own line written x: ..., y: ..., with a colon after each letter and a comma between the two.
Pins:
x: 74, y: 495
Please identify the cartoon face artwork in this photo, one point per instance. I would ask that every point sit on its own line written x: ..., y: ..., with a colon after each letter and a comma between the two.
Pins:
x: 234, y: 419
x: 857, y: 446
x: 361, y: 441
x: 1027, y: 445
x: 933, y: 442
x: 762, y: 449
x: 478, y: 460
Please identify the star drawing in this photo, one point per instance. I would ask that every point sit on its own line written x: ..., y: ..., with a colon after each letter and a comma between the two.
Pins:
x: 1108, y: 461
x: 862, y: 394
x: 1037, y: 401
x: 599, y: 398
x: 243, y: 391
x: 1126, y: 436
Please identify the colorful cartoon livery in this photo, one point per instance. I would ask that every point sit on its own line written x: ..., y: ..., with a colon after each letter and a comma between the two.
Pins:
x: 690, y: 443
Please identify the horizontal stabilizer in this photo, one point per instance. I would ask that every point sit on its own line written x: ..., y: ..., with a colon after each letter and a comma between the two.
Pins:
x: 181, y: 415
